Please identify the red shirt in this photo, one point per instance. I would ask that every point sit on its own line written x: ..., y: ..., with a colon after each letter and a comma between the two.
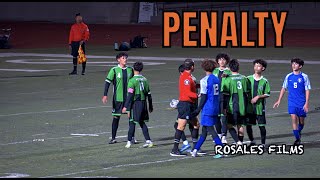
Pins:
x: 187, y: 88
x: 79, y: 32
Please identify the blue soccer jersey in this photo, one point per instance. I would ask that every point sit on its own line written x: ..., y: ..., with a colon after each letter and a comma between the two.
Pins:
x: 296, y: 86
x: 210, y: 86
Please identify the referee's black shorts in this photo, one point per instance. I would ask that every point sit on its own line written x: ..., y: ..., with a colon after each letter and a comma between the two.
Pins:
x: 185, y: 110
x: 75, y: 47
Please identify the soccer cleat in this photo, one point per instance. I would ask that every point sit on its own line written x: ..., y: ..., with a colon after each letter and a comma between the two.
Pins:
x: 112, y: 141
x: 73, y: 73
x: 148, y: 144
x: 239, y: 143
x: 128, y: 145
x: 194, y: 153
x: 252, y: 143
x: 176, y: 154
x: 297, y: 142
x: 83, y: 73
x: 217, y: 156
x: 201, y: 153
x: 224, y: 140
x: 185, y: 147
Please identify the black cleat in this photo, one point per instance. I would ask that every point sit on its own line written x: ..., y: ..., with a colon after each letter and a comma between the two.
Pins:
x: 297, y: 142
x: 112, y: 141
x: 83, y: 73
x: 73, y: 73
x: 177, y: 153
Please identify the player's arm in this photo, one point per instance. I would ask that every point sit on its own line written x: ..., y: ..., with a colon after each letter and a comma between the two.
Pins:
x: 203, y: 92
x: 282, y: 91
x: 108, y: 81
x: 130, y: 96
x: 71, y: 35
x: 307, y: 86
x: 86, y: 34
x: 148, y: 92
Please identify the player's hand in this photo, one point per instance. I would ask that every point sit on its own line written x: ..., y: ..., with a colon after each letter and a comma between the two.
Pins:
x: 224, y: 75
x: 276, y: 104
x: 254, y: 100
x: 124, y: 110
x: 70, y: 48
x: 306, y: 108
x: 199, y: 95
x: 104, y: 99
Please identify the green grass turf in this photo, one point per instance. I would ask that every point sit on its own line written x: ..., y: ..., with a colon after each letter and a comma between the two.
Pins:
x: 52, y: 105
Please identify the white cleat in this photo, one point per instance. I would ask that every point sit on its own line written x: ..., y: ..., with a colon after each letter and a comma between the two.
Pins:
x: 224, y: 140
x: 128, y: 145
x: 148, y: 144
x: 194, y: 153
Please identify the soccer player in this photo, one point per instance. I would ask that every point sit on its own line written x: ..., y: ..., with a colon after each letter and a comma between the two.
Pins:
x: 79, y: 35
x: 221, y: 124
x: 298, y: 85
x: 138, y: 93
x: 260, y: 90
x: 187, y: 98
x: 119, y: 76
x: 237, y: 86
x: 209, y: 104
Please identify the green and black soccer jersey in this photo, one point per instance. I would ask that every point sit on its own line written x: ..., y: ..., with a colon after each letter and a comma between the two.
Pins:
x: 138, y: 86
x: 119, y: 77
x: 237, y: 86
x: 218, y: 72
x: 258, y: 87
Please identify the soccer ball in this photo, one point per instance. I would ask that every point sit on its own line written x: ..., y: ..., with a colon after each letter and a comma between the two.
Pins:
x: 174, y: 103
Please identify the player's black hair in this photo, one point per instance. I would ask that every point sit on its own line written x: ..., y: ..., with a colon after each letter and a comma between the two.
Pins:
x: 121, y: 54
x: 234, y: 65
x: 188, y: 63
x: 224, y: 56
x: 181, y: 68
x: 298, y: 61
x: 78, y: 14
x: 208, y: 65
x: 138, y: 66
x: 262, y: 62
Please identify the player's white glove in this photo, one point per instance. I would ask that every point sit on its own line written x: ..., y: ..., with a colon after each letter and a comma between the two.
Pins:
x: 174, y: 103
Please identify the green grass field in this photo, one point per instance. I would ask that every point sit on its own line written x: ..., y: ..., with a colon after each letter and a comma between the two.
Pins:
x: 55, y: 125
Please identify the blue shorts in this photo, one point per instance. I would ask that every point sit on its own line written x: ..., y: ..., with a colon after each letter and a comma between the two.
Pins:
x: 207, y: 120
x: 297, y: 111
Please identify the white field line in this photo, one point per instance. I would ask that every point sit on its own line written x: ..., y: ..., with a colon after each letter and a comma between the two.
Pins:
x: 31, y: 70
x: 14, y: 175
x: 139, y: 58
x: 119, y: 166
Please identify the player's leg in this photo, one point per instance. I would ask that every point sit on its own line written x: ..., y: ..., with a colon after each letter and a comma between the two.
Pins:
x: 185, y: 142
x: 201, y: 140
x: 183, y: 112
x: 231, y: 123
x: 146, y: 134
x: 218, y: 127
x: 223, y: 118
x: 195, y: 132
x: 241, y: 123
x: 74, y: 53
x: 302, y: 115
x: 115, y: 125
x: 132, y: 127
x: 251, y: 118
x: 262, y: 126
x: 293, y: 111
x: 84, y: 63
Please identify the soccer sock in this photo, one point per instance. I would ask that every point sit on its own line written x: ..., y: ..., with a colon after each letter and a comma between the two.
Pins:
x: 224, y: 125
x: 296, y: 134
x: 250, y: 132
x: 200, y: 142
x: 215, y: 136
x: 183, y: 136
x: 218, y: 126
x: 84, y: 66
x: 233, y: 133
x: 263, y: 133
x: 75, y: 61
x: 145, y: 130
x: 131, y: 130
x: 177, y: 138
x: 195, y: 135
x: 115, y: 125
x: 240, y: 138
x: 300, y: 127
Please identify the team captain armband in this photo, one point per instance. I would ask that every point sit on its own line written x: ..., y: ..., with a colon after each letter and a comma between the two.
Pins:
x: 130, y: 90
